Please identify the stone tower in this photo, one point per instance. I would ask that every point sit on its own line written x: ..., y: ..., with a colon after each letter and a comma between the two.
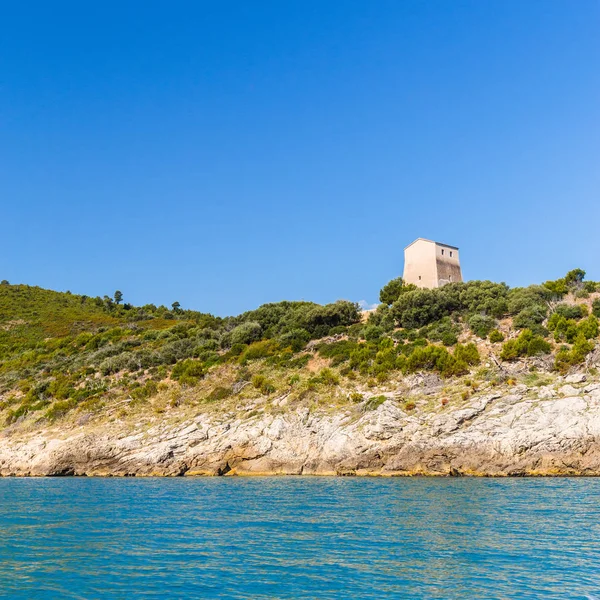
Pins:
x: 430, y: 264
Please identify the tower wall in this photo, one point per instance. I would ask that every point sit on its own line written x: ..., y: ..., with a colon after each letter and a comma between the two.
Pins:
x: 448, y: 265
x: 420, y: 266
x: 428, y: 264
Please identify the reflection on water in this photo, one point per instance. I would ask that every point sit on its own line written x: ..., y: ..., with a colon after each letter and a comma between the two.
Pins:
x: 300, y: 538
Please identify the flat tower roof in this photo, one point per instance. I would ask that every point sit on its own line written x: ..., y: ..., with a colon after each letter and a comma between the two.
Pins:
x: 431, y: 242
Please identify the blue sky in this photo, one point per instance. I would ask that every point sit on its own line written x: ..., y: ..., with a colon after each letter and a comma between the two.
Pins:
x: 227, y: 154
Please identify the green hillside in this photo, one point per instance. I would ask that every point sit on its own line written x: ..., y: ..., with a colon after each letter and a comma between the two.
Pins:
x: 63, y: 354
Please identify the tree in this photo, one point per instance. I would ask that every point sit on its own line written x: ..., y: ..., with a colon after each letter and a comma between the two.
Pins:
x: 108, y: 303
x: 118, y: 297
x: 246, y: 333
x: 575, y: 277
x: 4, y: 282
x: 176, y: 306
x: 392, y: 290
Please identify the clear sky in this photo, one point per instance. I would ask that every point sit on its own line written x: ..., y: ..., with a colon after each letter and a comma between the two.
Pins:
x: 227, y: 154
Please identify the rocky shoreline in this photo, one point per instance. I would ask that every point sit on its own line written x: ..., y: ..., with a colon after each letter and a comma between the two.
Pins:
x: 544, y: 431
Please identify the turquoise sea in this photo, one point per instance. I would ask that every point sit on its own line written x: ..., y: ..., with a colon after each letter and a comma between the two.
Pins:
x: 300, y: 538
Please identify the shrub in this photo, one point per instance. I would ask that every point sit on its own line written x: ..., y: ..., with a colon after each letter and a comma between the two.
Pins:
x: 258, y: 380
x: 573, y: 280
x: 296, y: 339
x: 575, y: 277
x: 219, y: 393
x: 327, y: 377
x: 496, y: 336
x: 570, y: 311
x: 558, y: 287
x: 421, y: 307
x: 392, y: 290
x: 527, y: 344
x: 261, y: 349
x: 382, y: 317
x: 564, y: 329
x: 143, y: 392
x: 522, y: 298
x: 361, y: 357
x: 484, y: 297
x: 596, y: 307
x: 372, y: 332
x: 481, y: 325
x: 321, y: 319
x: 435, y: 358
x: 188, y: 372
x: 588, y: 328
x: 565, y: 357
x: 444, y: 331
x: 529, y: 317
x: 60, y: 409
x: 246, y: 333
x: 467, y: 354
x: 374, y: 402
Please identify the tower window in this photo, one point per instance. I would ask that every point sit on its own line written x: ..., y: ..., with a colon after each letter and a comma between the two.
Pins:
x: 419, y: 278
x: 450, y: 253
x: 442, y: 252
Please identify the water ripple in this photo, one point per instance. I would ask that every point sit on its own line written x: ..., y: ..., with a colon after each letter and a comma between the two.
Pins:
x: 300, y: 538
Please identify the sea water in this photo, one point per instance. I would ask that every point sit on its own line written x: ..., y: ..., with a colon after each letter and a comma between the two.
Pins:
x: 300, y: 538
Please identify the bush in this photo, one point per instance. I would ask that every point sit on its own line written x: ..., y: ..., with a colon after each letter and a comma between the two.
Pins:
x: 467, y: 354
x: 392, y: 290
x: 246, y: 333
x: 372, y: 333
x: 362, y: 357
x: 523, y: 298
x: 339, y: 352
x: 570, y: 311
x: 569, y: 329
x: 261, y: 349
x: 588, y: 328
x: 529, y: 317
x: 496, y: 336
x: 374, y: 402
x: 219, y: 393
x: 444, y: 331
x: 382, y: 317
x: 435, y: 358
x: 527, y: 344
x: 418, y: 308
x: 596, y: 307
x: 566, y: 358
x: 481, y: 325
x: 319, y: 320
x: 143, y: 392
x: 188, y: 372
x: 421, y: 307
x: 326, y: 377
x: 296, y: 339
x: 260, y: 382
x: 484, y: 297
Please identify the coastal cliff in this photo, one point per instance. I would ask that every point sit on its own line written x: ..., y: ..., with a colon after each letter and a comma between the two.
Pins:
x: 472, y: 378
x: 547, y: 430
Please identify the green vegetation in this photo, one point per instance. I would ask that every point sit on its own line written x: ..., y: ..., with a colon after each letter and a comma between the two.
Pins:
x: 527, y: 344
x: 60, y: 351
